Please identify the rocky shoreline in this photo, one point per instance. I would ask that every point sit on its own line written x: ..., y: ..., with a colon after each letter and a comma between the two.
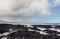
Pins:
x: 10, y: 31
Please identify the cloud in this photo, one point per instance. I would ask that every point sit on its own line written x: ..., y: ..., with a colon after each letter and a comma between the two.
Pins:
x: 55, y: 3
x: 23, y: 9
x: 42, y: 6
x: 14, y: 7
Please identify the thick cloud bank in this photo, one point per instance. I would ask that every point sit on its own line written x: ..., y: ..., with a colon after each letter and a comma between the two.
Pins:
x: 12, y: 7
x: 24, y: 9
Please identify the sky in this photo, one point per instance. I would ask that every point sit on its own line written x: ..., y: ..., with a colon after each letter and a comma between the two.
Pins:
x: 30, y: 11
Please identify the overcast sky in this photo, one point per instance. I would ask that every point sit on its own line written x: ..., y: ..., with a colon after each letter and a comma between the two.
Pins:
x: 30, y: 11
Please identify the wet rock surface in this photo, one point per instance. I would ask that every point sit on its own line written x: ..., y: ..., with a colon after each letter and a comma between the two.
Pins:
x: 10, y: 31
